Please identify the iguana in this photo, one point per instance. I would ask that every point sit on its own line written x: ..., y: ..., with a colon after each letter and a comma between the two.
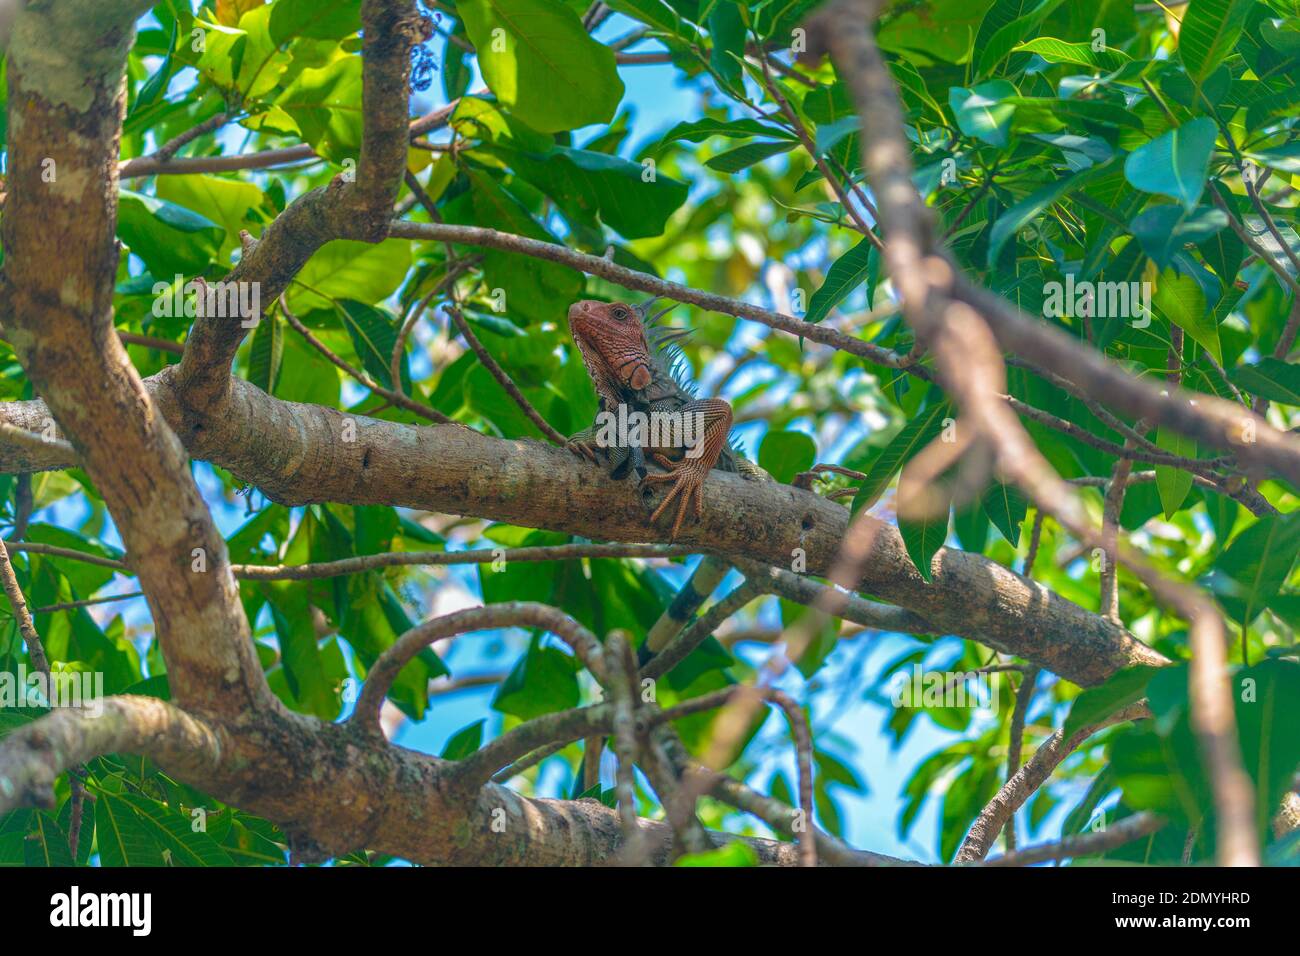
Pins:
x: 633, y: 361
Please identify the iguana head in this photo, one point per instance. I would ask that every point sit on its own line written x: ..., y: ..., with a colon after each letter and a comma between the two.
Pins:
x: 612, y: 340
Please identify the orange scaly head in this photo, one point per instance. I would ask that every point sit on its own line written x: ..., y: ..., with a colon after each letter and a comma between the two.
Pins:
x: 613, y: 345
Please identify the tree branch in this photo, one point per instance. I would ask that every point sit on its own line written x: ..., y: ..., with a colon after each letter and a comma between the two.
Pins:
x: 1026, y: 780
x: 32, y: 756
x: 344, y: 209
x: 293, y: 454
x: 1084, y: 844
x: 958, y: 322
x: 65, y: 71
x: 506, y: 614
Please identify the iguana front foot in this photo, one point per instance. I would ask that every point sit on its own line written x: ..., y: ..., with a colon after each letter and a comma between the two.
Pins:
x: 582, y: 449
x: 688, y: 474
x: 687, y: 477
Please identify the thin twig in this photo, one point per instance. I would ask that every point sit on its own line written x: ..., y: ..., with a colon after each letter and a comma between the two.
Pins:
x: 397, y: 398
x: 797, y: 126
x: 88, y: 602
x: 169, y: 149
x: 503, y: 379
x: 22, y: 616
x: 266, y: 159
x: 1016, y: 738
x: 1084, y: 844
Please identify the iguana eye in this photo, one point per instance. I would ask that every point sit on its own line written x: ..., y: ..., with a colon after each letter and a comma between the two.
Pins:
x: 620, y: 313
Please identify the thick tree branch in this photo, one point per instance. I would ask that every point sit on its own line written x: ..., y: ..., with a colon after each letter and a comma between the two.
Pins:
x: 362, y: 795
x: 35, y: 754
x: 65, y: 70
x: 295, y: 454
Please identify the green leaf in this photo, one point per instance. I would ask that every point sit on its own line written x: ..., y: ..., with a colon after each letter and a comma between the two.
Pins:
x: 1176, y: 163
x: 732, y: 853
x: 266, y: 353
x: 939, y: 28
x: 1255, y: 564
x: 1179, y: 299
x: 1269, y: 378
x: 1173, y: 484
x: 229, y: 204
x: 171, y: 239
x: 464, y: 741
x: 982, y: 112
x: 345, y: 269
x: 920, y: 430
x: 1209, y: 31
x: 1164, y: 230
x: 697, y: 131
x: 1032, y: 206
x: 1006, y: 23
x: 306, y: 376
x: 299, y: 650
x: 831, y: 135
x: 784, y: 454
x: 46, y: 843
x: 742, y: 157
x: 318, y: 19
x: 1158, y: 766
x: 175, y: 833
x: 374, y: 334
x: 543, y: 681
x: 456, y: 73
x: 588, y: 183
x: 727, y: 34
x: 846, y: 273
x: 122, y: 837
x: 245, y: 59
x: 923, y: 538
x: 1124, y: 687
x: 157, y: 82
x: 1267, y: 703
x: 1284, y: 158
x: 1078, y: 54
x: 1006, y: 507
x: 536, y: 290
x: 326, y: 105
x: 657, y: 14
x: 1042, y: 114
x: 972, y: 527
x: 541, y: 63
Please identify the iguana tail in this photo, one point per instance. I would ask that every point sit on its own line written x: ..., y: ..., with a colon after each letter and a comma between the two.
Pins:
x: 708, y: 575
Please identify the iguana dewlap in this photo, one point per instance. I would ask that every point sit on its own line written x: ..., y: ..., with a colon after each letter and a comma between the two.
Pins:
x: 631, y: 362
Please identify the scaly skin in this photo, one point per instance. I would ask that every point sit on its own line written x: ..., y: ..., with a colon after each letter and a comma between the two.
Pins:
x: 626, y: 370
